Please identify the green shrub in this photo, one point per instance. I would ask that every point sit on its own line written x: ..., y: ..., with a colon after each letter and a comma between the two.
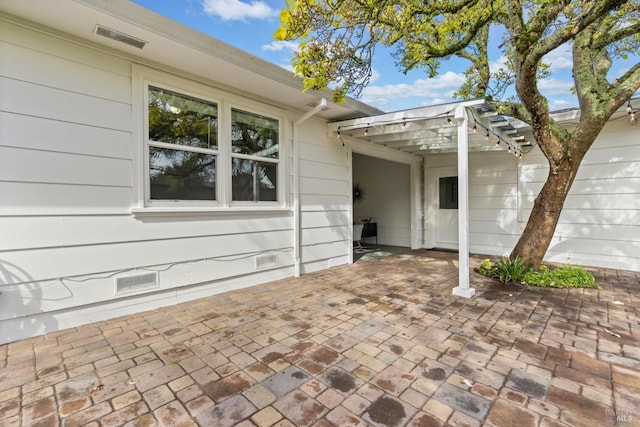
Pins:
x: 505, y: 269
x: 486, y: 268
x: 566, y: 276
x: 510, y: 270
x: 514, y: 270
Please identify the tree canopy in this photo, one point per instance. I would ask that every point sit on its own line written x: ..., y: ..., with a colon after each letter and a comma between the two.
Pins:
x: 338, y: 39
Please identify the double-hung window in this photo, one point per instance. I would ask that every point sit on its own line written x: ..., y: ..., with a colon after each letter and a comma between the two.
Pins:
x: 254, y: 157
x: 183, y: 146
x: 201, y: 153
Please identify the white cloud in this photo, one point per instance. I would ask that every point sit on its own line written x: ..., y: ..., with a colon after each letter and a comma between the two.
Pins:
x: 558, y: 59
x: 429, y: 91
x: 375, y: 76
x: 558, y: 92
x: 498, y: 64
x: 278, y: 46
x: 237, y: 10
x: 560, y: 104
x: 551, y: 86
x: 561, y: 58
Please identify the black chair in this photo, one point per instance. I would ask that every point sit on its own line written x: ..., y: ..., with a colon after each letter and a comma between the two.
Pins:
x: 370, y: 229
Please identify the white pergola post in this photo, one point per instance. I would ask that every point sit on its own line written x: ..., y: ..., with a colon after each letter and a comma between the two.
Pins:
x: 463, y: 289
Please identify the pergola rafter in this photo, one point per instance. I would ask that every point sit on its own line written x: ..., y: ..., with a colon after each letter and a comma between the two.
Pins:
x: 422, y: 130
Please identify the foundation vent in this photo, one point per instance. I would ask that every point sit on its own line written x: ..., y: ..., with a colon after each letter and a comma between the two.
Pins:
x: 266, y: 261
x: 136, y: 283
x: 119, y: 37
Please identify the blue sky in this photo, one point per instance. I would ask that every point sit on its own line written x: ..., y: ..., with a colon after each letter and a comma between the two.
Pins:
x: 250, y: 24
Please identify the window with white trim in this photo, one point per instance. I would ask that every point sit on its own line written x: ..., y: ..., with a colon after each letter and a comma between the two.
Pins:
x: 183, y: 146
x: 205, y: 153
x: 254, y: 157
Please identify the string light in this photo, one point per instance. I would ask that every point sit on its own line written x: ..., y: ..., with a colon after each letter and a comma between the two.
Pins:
x: 512, y: 149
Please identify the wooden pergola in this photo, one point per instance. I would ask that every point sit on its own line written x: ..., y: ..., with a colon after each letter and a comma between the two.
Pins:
x: 458, y: 127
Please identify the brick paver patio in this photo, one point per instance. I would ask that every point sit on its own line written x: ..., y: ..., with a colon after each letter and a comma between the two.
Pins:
x: 380, y: 343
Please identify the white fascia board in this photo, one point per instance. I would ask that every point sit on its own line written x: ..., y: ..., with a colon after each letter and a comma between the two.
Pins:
x: 178, y: 48
x: 139, y: 16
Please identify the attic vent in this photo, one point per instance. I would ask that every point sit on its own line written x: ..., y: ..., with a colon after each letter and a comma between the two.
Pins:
x: 119, y: 37
x: 136, y: 283
x: 266, y: 261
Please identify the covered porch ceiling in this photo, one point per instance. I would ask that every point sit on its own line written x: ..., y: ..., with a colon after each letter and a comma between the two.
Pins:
x: 434, y: 129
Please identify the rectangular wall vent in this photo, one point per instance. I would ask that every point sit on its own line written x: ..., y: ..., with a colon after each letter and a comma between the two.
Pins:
x: 266, y: 261
x: 136, y: 283
x: 119, y: 37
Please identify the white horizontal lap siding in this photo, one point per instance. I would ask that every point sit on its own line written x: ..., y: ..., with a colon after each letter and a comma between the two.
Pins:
x: 600, y: 222
x: 19, y: 198
x: 52, y: 232
x: 324, y: 203
x: 66, y: 193
x: 60, y: 104
x: 319, y: 235
x: 604, y: 217
x: 615, y: 259
x: 26, y: 64
x: 39, y: 41
x: 47, y: 167
x: 206, y: 258
x: 324, y: 199
x: 41, y: 133
x: 319, y: 219
x: 493, y: 203
x: 65, y: 126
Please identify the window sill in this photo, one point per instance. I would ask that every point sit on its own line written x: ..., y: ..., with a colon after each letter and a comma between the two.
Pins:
x: 203, y: 211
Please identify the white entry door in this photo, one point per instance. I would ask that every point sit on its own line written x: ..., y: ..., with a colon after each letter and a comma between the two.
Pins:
x: 442, y: 208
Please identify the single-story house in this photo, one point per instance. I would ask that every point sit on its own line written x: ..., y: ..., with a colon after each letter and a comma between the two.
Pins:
x: 143, y: 164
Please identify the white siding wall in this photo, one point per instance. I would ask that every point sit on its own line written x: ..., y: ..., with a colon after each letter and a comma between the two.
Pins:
x: 324, y: 199
x: 65, y: 116
x: 600, y: 222
x: 493, y: 200
x: 66, y: 194
x: 386, y: 186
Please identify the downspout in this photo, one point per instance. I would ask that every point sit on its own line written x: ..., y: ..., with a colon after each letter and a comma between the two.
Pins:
x: 297, y: 225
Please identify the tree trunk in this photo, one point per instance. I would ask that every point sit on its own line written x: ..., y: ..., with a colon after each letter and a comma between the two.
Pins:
x: 540, y: 228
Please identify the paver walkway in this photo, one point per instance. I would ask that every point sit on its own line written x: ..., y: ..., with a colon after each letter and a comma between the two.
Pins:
x: 381, y: 343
